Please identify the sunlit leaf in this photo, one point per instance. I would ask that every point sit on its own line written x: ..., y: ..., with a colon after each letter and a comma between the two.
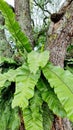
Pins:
x: 25, y: 83
x: 36, y: 60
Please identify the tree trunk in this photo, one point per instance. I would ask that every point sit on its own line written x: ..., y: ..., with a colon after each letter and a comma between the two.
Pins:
x: 58, y: 38
x: 22, y: 10
x: 5, y: 48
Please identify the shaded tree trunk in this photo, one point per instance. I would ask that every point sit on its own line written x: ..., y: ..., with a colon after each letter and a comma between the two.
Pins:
x: 57, y: 41
x: 5, y: 48
x: 22, y: 10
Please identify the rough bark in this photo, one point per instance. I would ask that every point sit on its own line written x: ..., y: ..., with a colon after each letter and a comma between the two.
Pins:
x: 22, y: 10
x: 5, y: 48
x: 59, y: 37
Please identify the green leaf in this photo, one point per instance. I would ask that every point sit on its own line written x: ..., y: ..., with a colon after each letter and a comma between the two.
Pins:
x: 14, y: 120
x: 5, y: 59
x: 33, y: 115
x: 70, y: 69
x: 48, y: 117
x: 25, y: 83
x: 62, y: 82
x: 49, y: 96
x: 36, y: 105
x: 21, y: 39
x: 9, y: 119
x: 30, y: 122
x: 10, y: 76
x: 36, y: 60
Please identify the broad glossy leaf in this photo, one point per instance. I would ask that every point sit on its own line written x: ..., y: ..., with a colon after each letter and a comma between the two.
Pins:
x: 25, y: 83
x: 36, y: 105
x: 30, y: 122
x: 50, y: 98
x: 62, y: 82
x: 36, y: 60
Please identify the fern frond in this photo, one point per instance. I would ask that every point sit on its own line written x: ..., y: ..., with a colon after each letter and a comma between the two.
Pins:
x: 36, y: 60
x: 21, y: 40
x: 62, y: 82
x: 25, y: 83
x: 5, y: 59
x: 10, y: 76
x: 33, y: 114
x: 8, y: 117
x: 30, y: 122
x: 49, y: 96
x: 47, y: 117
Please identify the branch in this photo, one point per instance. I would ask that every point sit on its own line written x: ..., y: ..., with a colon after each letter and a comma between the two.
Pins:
x: 45, y: 10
